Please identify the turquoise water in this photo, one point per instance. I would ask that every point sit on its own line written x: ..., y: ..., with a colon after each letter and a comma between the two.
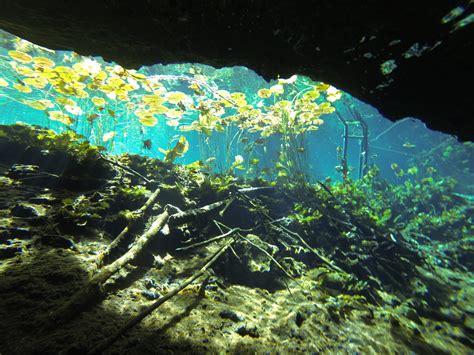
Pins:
x: 227, y: 123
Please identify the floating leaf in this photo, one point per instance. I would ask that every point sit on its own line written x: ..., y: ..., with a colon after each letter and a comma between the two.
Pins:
x: 25, y: 71
x: 277, y: 89
x: 108, y: 136
x: 176, y: 96
x: 187, y: 128
x: 283, y: 104
x: 115, y: 82
x: 237, y: 96
x: 3, y: 82
x: 44, y: 62
x: 174, y: 113
x: 159, y: 110
x: 149, y: 121
x: 46, y: 73
x: 264, y: 93
x: 196, y: 89
x: 322, y: 87
x: 23, y: 88
x: 98, y: 101
x: 39, y: 83
x: 67, y: 73
x: 333, y: 94
x: 39, y: 104
x: 61, y: 117
x: 20, y: 56
x: 240, y: 102
x: 311, y: 95
x: 65, y: 101
x: 331, y: 90
x: 123, y: 97
x: 154, y: 100
x: 100, y: 76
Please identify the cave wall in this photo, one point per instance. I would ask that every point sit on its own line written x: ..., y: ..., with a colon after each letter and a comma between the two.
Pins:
x: 341, y: 42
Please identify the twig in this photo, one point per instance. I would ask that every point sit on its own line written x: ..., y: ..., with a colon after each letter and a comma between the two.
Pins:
x: 251, y: 189
x: 126, y: 168
x: 271, y: 258
x: 313, y: 250
x: 222, y: 236
x: 181, y: 216
x: 290, y: 233
x: 148, y: 310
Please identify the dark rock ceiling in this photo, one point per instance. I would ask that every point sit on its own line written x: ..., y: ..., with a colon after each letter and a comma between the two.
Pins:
x: 342, y: 42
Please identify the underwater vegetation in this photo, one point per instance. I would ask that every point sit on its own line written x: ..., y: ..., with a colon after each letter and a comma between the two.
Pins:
x: 106, y: 101
x: 187, y: 209
x: 96, y: 245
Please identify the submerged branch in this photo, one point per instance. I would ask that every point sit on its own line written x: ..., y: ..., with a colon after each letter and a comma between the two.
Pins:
x: 126, y: 168
x: 139, y: 215
x: 148, y: 310
x: 94, y: 288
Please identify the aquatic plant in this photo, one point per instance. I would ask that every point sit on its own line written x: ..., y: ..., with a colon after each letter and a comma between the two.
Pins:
x: 424, y: 207
x: 105, y: 102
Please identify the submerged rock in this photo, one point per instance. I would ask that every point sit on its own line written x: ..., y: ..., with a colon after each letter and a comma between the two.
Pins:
x: 56, y: 241
x: 251, y: 331
x: 28, y: 210
x: 230, y: 314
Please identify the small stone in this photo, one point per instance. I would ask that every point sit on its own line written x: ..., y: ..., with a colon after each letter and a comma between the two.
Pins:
x: 21, y: 232
x: 299, y: 319
x: 244, y: 330
x: 21, y: 170
x: 56, y: 241
x: 7, y: 252
x: 150, y: 283
x: 44, y: 199
x: 150, y: 295
x: 25, y: 210
x: 229, y: 314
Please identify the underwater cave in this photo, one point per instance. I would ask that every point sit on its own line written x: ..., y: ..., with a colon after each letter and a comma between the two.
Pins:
x: 239, y: 177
